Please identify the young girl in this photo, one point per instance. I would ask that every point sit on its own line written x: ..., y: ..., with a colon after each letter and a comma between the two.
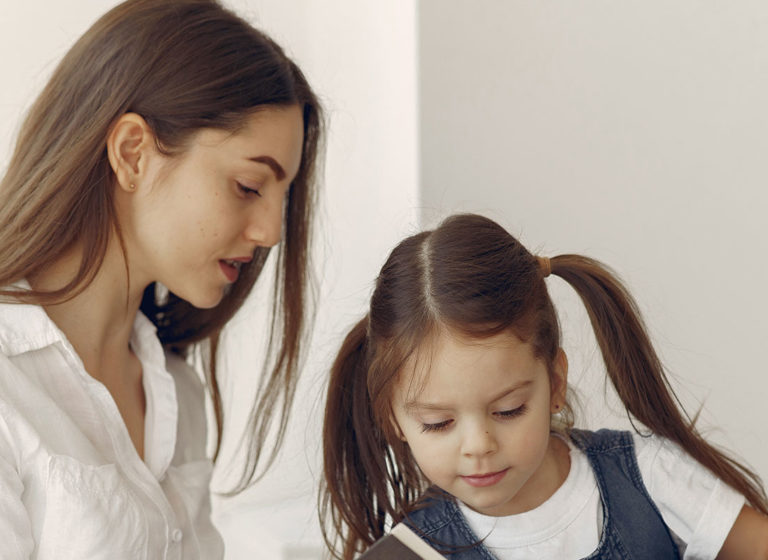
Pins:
x: 172, y: 148
x: 447, y: 410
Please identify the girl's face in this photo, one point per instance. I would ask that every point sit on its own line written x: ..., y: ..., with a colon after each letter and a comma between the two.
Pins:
x: 476, y: 416
x: 198, y: 216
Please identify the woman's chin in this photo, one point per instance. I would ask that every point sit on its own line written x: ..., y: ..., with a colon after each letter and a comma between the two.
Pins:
x: 204, y: 300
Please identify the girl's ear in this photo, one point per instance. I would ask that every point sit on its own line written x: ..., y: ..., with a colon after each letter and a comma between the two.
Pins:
x: 559, y: 382
x: 130, y: 143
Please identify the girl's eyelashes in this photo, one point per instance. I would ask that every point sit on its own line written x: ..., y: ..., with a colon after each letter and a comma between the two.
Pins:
x: 513, y: 413
x: 502, y: 414
x: 436, y: 427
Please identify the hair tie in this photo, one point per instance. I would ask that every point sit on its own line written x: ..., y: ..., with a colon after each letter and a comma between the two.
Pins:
x: 545, y: 265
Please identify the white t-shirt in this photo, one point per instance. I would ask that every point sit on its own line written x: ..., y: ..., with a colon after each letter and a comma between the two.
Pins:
x: 697, y: 507
x: 72, y: 485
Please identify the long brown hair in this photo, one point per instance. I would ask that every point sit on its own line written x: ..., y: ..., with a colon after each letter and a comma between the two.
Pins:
x: 473, y: 277
x: 183, y: 65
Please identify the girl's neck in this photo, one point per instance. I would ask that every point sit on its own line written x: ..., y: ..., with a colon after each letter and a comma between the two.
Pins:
x: 98, y: 321
x: 550, y: 477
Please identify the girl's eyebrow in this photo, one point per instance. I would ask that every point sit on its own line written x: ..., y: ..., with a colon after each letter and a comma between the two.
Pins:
x: 412, y: 405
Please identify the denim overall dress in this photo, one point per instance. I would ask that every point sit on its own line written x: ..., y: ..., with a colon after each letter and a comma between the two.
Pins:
x: 632, y: 525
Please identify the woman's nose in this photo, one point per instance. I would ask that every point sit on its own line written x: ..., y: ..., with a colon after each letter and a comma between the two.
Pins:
x: 265, y: 226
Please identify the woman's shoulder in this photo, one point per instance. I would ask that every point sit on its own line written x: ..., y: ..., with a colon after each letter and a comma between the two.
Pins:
x: 24, y: 327
x: 26, y: 333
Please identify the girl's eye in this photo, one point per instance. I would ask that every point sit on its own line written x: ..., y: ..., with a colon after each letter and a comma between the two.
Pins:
x: 436, y: 427
x: 514, y: 413
x: 248, y: 191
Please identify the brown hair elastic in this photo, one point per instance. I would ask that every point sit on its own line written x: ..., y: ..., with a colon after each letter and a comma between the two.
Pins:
x: 545, y: 265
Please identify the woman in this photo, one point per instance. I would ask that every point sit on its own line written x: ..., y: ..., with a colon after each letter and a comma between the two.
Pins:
x: 172, y: 148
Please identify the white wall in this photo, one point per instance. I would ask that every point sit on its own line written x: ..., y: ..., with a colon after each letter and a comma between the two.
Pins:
x: 634, y: 132
x: 360, y: 57
x: 33, y: 37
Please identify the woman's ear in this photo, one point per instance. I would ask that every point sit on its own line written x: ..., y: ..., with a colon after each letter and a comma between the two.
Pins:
x: 129, y: 143
x: 559, y: 382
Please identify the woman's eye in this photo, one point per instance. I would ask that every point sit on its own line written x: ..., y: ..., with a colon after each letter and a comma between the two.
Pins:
x: 513, y: 413
x: 248, y: 190
x: 436, y: 427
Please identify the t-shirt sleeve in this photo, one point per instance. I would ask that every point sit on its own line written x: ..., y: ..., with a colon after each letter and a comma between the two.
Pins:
x: 698, y: 507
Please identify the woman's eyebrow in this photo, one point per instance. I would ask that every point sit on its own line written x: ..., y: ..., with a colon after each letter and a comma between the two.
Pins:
x: 270, y: 161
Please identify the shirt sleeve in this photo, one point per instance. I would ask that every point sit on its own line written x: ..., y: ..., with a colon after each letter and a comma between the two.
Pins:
x: 15, y: 526
x: 697, y: 506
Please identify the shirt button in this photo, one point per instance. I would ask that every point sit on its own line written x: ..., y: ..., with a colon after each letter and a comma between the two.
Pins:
x: 176, y: 535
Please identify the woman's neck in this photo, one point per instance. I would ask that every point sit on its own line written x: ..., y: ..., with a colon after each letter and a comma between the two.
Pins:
x: 98, y: 321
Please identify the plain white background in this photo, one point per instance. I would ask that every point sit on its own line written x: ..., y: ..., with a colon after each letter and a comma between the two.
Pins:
x: 634, y: 132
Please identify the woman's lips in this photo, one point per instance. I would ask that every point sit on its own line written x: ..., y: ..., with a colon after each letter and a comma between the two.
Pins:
x: 231, y: 267
x: 230, y: 271
x: 488, y: 479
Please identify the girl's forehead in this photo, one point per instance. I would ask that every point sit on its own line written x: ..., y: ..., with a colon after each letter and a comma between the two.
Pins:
x: 447, y: 359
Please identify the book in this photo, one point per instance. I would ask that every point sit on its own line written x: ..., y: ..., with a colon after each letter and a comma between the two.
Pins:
x: 401, y: 544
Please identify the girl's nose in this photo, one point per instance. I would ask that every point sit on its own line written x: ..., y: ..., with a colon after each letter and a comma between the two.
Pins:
x: 265, y: 226
x: 479, y: 440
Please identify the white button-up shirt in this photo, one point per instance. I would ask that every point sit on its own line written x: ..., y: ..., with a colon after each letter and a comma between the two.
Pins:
x: 72, y: 485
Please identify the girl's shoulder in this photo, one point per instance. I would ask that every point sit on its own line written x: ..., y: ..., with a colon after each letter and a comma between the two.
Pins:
x: 601, y: 440
x: 696, y: 505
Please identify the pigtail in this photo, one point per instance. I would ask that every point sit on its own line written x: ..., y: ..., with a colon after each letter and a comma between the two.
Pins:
x: 353, y: 497
x: 638, y: 375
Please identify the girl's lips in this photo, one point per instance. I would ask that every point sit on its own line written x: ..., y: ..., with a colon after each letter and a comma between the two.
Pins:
x: 488, y: 479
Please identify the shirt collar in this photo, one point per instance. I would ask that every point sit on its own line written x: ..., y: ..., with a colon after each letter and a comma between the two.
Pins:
x: 161, y: 418
x: 25, y: 327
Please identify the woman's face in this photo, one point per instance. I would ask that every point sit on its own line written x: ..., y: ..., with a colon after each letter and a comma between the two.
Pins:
x: 198, y: 216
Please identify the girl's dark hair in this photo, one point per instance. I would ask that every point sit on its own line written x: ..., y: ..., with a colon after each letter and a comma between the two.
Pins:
x: 474, y: 278
x: 183, y: 65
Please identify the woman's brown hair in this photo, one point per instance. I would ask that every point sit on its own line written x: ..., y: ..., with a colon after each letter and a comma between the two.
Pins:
x: 183, y: 65
x: 472, y: 277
